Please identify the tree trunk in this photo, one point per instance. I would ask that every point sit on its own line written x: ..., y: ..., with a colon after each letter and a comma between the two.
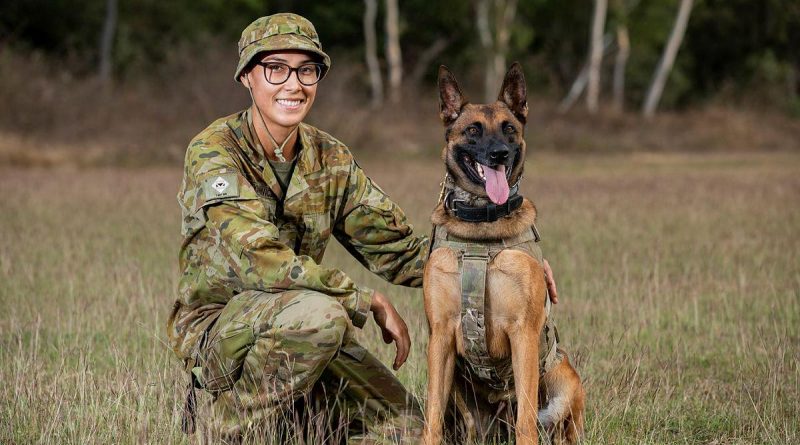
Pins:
x: 426, y: 57
x: 487, y: 42
x: 623, y: 51
x: 107, y: 42
x: 506, y: 10
x: 596, y: 51
x: 667, y: 59
x: 371, y: 52
x: 393, y: 54
x: 579, y: 85
x: 494, y: 40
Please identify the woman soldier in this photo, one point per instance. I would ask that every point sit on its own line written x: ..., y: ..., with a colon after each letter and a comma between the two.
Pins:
x: 259, y: 322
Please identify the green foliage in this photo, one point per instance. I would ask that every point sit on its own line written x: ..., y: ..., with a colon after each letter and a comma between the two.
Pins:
x: 148, y: 29
x: 66, y: 28
x: 453, y: 21
x: 561, y: 37
x: 758, y: 53
x: 749, y: 45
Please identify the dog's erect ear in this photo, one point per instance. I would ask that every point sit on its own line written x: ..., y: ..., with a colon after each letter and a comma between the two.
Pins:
x: 451, y: 99
x: 513, y: 93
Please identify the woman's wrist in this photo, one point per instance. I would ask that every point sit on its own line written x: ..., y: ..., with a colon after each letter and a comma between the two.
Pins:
x: 378, y: 302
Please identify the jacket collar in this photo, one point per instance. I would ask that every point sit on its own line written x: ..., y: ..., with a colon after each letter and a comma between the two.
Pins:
x: 308, y: 163
x: 308, y: 158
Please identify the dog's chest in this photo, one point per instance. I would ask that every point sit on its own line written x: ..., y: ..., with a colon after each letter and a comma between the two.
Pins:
x: 482, y: 287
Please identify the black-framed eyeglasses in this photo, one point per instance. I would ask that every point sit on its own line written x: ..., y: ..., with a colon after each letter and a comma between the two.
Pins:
x: 277, y: 73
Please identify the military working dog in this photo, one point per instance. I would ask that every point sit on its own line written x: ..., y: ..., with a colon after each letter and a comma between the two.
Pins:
x: 492, y: 351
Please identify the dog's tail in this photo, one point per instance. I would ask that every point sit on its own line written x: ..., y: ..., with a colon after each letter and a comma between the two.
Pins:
x: 574, y: 425
x: 564, y: 412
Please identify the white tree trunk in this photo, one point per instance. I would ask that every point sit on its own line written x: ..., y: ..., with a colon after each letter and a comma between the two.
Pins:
x: 107, y: 41
x: 667, y: 59
x: 623, y: 51
x: 393, y: 54
x: 487, y: 41
x: 580, y: 82
x: 505, y: 11
x: 596, y: 51
x: 426, y: 57
x: 494, y: 40
x: 371, y: 52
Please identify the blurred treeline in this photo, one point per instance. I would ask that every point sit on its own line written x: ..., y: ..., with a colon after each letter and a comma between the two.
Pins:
x: 731, y: 46
x: 734, y: 52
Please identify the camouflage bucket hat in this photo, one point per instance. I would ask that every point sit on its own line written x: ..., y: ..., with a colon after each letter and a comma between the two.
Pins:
x: 279, y: 32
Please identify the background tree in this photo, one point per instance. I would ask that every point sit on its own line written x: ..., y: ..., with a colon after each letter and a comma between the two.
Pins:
x: 582, y: 80
x: 371, y: 53
x: 721, y: 56
x: 665, y: 65
x: 107, y: 41
x: 596, y: 54
x: 494, y: 20
x: 620, y: 14
x: 393, y: 53
x: 444, y: 35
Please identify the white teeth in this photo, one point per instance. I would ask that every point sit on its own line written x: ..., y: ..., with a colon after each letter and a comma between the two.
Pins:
x: 480, y: 171
x: 289, y: 103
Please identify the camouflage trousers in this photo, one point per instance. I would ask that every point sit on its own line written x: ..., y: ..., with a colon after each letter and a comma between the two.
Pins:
x: 282, y: 368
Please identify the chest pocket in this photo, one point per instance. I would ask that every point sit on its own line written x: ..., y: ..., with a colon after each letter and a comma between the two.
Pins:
x: 270, y: 204
x: 316, y: 234
x: 313, y: 209
x: 287, y: 226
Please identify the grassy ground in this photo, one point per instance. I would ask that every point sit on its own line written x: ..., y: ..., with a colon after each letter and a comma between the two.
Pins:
x: 679, y: 275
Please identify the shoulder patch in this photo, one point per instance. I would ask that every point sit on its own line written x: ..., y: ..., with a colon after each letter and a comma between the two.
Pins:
x: 220, y: 186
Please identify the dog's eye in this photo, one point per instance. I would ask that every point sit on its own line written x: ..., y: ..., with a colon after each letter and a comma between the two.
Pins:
x: 473, y: 130
x: 509, y: 129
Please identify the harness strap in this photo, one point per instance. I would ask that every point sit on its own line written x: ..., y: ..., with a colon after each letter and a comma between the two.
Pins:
x: 473, y: 291
x: 548, y: 341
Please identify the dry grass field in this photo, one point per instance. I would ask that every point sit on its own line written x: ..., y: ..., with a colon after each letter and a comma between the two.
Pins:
x: 679, y: 278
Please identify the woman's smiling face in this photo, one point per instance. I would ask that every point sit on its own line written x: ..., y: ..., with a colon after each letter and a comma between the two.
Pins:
x: 288, y: 103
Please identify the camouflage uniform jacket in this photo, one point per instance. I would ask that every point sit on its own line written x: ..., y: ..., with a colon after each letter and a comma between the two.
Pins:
x: 240, y: 233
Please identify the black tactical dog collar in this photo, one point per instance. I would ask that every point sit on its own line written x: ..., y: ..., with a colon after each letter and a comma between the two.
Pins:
x: 488, y: 213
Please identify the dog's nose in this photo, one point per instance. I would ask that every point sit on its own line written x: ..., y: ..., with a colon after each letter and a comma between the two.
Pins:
x: 499, y: 154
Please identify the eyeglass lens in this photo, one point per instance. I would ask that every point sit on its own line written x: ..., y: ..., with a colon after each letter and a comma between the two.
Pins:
x: 277, y: 73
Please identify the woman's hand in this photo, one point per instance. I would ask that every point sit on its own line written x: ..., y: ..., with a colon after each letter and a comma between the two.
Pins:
x: 551, y: 282
x: 392, y: 326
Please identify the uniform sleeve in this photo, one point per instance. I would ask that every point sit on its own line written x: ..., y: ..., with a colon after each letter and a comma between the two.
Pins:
x: 375, y: 231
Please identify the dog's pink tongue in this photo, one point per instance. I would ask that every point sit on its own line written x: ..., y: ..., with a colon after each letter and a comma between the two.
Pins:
x: 496, y: 184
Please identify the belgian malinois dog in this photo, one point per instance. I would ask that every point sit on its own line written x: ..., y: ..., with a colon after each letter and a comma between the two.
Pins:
x: 484, y: 153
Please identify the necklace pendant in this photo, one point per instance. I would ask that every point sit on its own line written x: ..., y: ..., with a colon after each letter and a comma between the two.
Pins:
x: 279, y: 154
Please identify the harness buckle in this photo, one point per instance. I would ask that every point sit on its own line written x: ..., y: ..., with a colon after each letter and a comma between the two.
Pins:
x: 475, y: 256
x: 450, y: 203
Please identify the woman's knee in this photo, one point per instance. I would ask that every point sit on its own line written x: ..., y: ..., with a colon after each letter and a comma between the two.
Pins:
x: 306, y: 327
x: 313, y: 319
x: 297, y: 343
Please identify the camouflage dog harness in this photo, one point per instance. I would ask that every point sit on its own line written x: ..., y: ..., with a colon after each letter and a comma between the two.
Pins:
x: 474, y: 259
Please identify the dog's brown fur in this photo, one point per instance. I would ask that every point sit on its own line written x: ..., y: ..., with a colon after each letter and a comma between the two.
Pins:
x: 515, y: 289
